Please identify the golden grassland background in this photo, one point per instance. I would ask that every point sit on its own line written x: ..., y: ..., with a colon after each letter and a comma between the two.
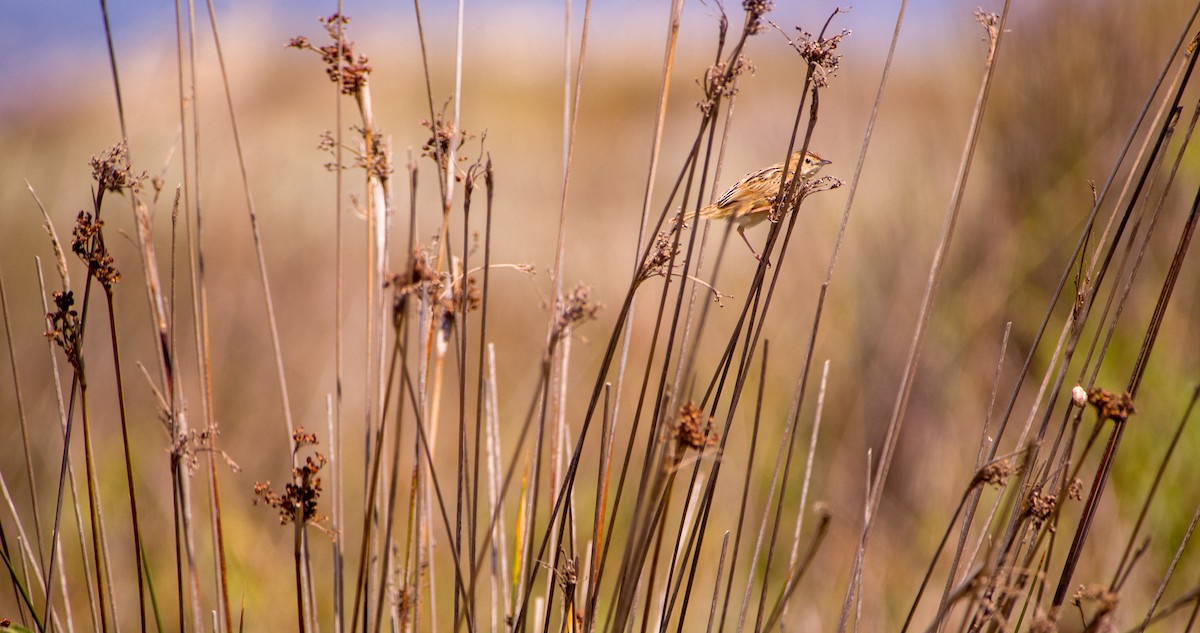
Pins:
x: 1070, y: 80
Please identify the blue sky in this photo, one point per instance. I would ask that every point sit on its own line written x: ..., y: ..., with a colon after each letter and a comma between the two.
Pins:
x: 58, y: 44
x: 37, y: 34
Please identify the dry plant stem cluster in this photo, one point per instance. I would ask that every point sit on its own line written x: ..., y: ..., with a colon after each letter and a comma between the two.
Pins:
x: 1007, y: 590
x: 994, y: 25
x: 643, y: 498
x: 424, y: 529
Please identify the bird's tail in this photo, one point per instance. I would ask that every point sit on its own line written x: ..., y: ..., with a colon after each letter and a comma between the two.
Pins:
x: 690, y: 217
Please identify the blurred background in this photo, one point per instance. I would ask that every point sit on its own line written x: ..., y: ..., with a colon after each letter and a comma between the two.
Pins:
x: 1070, y: 81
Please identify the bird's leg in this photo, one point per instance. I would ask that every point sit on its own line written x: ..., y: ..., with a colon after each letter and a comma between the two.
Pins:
x: 742, y: 232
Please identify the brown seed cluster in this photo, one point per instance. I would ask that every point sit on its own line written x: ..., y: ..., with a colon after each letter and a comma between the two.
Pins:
x: 1041, y: 505
x: 1106, y: 601
x: 990, y: 23
x: 343, y: 65
x: 444, y: 136
x: 996, y: 473
x: 1075, y: 489
x: 720, y: 81
x: 1111, y: 406
x: 1042, y: 624
x: 298, y: 503
x: 820, y: 53
x: 422, y: 280
x: 188, y: 446
x: 577, y: 307
x: 693, y: 430
x: 756, y: 11
x: 112, y: 170
x: 665, y: 249
x: 88, y: 243
x: 372, y: 156
x: 441, y: 136
x: 568, y: 575
x: 64, y: 325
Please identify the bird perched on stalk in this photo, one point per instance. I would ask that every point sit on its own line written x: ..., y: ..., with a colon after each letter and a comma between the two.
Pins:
x: 749, y: 202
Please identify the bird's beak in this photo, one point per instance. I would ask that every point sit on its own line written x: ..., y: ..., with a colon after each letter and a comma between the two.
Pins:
x: 823, y: 162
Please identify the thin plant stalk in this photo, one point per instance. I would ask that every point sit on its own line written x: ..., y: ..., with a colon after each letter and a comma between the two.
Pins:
x: 259, y: 250
x: 895, y: 425
x: 64, y: 426
x: 24, y: 423
x: 129, y: 473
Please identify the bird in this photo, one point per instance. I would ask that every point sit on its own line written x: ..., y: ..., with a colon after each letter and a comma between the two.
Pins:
x: 749, y: 201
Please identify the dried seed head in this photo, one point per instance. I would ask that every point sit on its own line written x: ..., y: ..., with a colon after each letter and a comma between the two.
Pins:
x: 996, y: 473
x: 1105, y: 600
x: 342, y: 64
x: 298, y: 503
x: 990, y: 23
x: 756, y: 11
x: 1042, y: 624
x: 1041, y: 505
x: 693, y: 430
x: 113, y: 172
x: 1075, y: 489
x: 820, y: 54
x: 577, y: 307
x: 720, y: 81
x: 87, y: 242
x: 373, y: 154
x: 444, y: 136
x: 1110, y: 406
x: 664, y: 251
x: 64, y: 325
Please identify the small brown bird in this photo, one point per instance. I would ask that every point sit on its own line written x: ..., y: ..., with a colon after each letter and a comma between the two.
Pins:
x: 749, y: 202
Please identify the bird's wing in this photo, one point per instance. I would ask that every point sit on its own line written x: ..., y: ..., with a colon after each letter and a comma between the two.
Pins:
x: 752, y: 188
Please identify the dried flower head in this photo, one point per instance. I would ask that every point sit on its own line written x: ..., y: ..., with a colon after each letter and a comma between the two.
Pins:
x: 186, y: 447
x: 990, y: 23
x: 1042, y: 624
x: 87, y: 241
x: 1075, y: 489
x: 1110, y: 406
x: 996, y: 473
x: 445, y: 298
x: 823, y: 183
x: 64, y: 325
x: 756, y: 11
x: 1106, y: 601
x: 577, y: 307
x: 112, y: 170
x: 298, y: 503
x: 693, y: 430
x: 820, y: 54
x: 444, y: 136
x: 1040, y: 505
x: 470, y: 296
x: 720, y: 81
x: 421, y: 278
x: 372, y: 155
x: 665, y: 250
x: 327, y: 142
x: 794, y: 195
x: 568, y: 574
x: 343, y: 65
